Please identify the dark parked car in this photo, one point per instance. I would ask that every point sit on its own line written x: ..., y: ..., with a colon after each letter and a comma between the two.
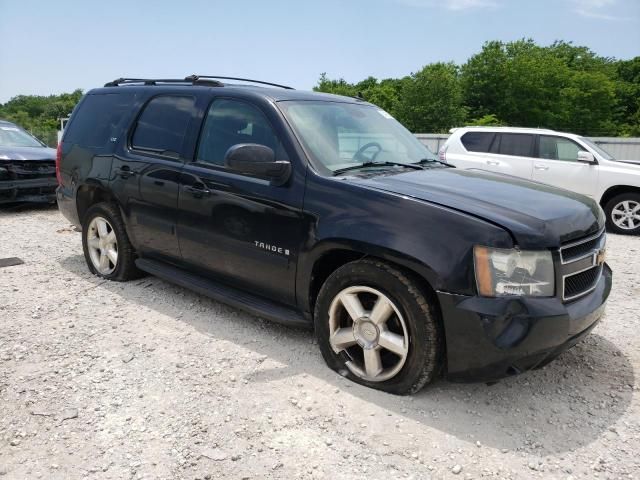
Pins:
x: 320, y: 210
x: 27, y: 167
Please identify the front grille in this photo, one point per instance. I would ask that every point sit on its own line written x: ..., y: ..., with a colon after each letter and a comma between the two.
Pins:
x: 580, y: 250
x: 581, y: 283
x: 21, y: 170
x: 581, y: 266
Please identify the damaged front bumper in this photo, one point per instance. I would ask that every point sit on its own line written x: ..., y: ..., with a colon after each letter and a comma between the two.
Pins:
x: 492, y: 338
x: 35, y: 183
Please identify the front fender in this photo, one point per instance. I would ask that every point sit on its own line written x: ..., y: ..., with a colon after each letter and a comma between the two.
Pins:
x: 433, y: 241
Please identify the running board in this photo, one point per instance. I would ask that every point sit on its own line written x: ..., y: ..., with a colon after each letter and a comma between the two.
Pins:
x: 253, y: 304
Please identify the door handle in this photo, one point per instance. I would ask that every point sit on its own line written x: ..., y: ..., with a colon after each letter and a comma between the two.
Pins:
x: 198, y: 192
x: 541, y: 167
x: 125, y: 172
x: 492, y: 162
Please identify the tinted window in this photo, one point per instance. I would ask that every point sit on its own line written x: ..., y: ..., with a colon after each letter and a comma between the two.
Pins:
x: 98, y: 119
x: 516, y: 144
x: 163, y: 124
x: 230, y: 122
x: 477, y: 141
x: 557, y: 148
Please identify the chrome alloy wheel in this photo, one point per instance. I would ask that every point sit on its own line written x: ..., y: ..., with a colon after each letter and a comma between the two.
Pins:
x: 103, y: 246
x: 367, y: 326
x: 626, y: 215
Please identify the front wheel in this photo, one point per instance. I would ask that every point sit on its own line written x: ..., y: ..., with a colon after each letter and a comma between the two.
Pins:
x: 375, y: 326
x: 623, y: 214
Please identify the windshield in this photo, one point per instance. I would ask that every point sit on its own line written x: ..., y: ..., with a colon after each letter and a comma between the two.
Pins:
x: 343, y: 135
x: 12, y: 136
x: 599, y: 150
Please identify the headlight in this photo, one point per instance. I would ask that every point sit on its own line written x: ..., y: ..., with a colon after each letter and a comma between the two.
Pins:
x: 502, y: 272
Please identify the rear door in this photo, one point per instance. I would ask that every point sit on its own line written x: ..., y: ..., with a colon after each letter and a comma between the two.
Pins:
x: 557, y: 164
x: 512, y: 154
x: 146, y: 171
x: 235, y: 228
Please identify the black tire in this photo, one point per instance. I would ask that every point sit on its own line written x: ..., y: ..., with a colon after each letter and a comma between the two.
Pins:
x: 609, y: 209
x: 125, y: 268
x: 424, y: 359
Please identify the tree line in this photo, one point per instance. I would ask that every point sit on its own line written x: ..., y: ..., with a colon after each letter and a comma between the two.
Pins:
x: 40, y: 115
x: 561, y: 86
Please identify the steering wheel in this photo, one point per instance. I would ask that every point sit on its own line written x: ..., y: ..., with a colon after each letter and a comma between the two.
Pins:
x: 360, y: 153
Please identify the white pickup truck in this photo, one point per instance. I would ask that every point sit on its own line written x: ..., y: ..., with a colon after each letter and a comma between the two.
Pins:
x: 555, y: 158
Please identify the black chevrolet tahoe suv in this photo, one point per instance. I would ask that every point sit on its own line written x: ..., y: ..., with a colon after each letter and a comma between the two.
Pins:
x: 320, y: 210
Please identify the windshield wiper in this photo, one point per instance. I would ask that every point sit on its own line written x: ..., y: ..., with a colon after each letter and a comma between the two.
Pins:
x: 424, y: 161
x: 377, y: 164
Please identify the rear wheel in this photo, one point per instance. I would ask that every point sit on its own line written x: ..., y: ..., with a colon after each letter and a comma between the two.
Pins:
x: 107, y: 249
x: 375, y: 326
x: 623, y: 214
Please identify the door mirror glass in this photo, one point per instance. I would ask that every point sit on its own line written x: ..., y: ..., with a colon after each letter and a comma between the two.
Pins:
x: 586, y: 157
x: 258, y: 161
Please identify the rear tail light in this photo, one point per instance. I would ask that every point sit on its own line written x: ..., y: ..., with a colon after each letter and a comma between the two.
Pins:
x: 58, y: 160
x: 442, y: 153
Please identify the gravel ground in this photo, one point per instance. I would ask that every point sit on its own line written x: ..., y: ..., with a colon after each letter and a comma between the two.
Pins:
x: 149, y: 380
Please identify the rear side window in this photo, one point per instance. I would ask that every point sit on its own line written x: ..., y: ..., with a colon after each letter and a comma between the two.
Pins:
x: 517, y: 144
x: 98, y: 119
x: 162, y: 125
x: 477, y: 141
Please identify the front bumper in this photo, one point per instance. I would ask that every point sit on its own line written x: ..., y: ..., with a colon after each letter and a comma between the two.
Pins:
x: 491, y: 338
x: 28, y: 190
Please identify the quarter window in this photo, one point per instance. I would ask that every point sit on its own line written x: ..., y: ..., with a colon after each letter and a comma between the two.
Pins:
x: 96, y: 121
x: 163, y: 124
x: 516, y: 144
x: 558, y: 148
x: 478, y: 141
x: 230, y: 122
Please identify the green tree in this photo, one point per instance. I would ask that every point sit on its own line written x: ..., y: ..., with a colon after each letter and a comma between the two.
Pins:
x: 431, y: 99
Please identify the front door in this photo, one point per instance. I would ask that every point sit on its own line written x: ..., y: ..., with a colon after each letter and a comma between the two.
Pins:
x: 146, y: 174
x: 558, y: 165
x: 238, y: 229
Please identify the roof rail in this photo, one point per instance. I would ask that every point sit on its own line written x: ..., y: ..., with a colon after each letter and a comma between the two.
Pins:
x: 197, y: 78
x: 156, y: 81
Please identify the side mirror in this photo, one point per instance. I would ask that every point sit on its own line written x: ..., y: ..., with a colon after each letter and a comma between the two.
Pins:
x: 586, y: 157
x: 258, y: 161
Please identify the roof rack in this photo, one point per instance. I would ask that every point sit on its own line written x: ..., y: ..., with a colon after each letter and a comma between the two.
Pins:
x: 156, y: 81
x: 204, y: 80
x: 218, y: 77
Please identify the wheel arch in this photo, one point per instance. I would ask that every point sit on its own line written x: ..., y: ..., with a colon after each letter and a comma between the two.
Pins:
x: 89, y: 194
x: 616, y: 190
x: 330, y: 255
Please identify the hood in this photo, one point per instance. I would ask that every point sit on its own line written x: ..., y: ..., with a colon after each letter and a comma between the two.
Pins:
x: 537, y: 215
x: 27, y: 153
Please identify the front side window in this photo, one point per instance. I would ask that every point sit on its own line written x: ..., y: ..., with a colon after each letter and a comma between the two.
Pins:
x: 343, y: 135
x: 230, y: 122
x: 163, y: 124
x: 558, y: 148
x: 516, y: 144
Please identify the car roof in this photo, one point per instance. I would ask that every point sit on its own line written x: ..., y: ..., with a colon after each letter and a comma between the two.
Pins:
x: 275, y: 94
x: 462, y: 130
x: 7, y: 122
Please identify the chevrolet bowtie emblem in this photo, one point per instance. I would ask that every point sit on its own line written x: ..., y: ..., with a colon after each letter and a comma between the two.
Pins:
x: 599, y: 257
